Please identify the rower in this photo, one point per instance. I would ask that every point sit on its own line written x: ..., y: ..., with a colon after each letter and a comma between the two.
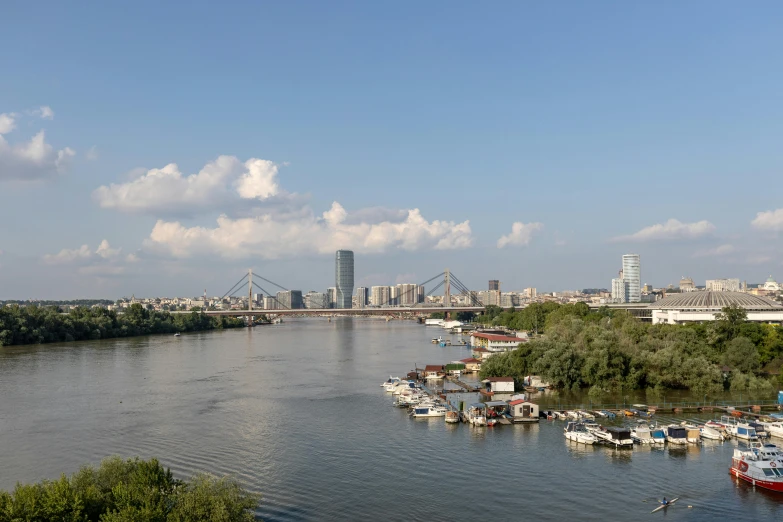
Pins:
x: 664, y: 502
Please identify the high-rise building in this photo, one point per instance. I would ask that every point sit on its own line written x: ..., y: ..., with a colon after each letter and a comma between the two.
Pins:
x: 530, y: 293
x: 290, y: 299
x: 632, y: 277
x: 420, y: 294
x: 394, y: 296
x: 315, y: 300
x: 379, y: 295
x: 270, y: 302
x: 331, y: 297
x: 407, y: 294
x: 362, y: 296
x: 343, y: 278
x: 494, y: 284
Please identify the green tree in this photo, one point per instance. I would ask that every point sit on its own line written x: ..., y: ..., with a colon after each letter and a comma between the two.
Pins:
x: 742, y: 355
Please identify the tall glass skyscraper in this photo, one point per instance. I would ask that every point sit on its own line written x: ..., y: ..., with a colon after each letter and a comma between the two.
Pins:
x: 632, y: 277
x: 343, y: 278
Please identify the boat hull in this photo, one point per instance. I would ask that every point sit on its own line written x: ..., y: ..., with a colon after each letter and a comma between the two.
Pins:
x: 766, y: 484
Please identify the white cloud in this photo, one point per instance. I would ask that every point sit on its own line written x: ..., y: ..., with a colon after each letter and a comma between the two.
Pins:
x: 29, y: 160
x: 82, y: 254
x: 44, y: 112
x: 721, y: 250
x: 671, y: 230
x: 769, y: 220
x: 216, y: 185
x: 271, y: 237
x: 92, y: 153
x: 521, y: 234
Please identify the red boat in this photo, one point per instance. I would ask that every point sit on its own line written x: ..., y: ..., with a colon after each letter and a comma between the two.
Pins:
x: 761, y: 466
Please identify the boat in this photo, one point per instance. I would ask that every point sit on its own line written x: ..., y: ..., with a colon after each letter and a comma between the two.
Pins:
x: 642, y: 435
x: 576, y: 432
x: 177, y: 334
x: 452, y: 417
x: 761, y: 468
x: 615, y: 436
x: 390, y: 380
x: 676, y: 434
x: 429, y: 411
x: 477, y: 414
x: 664, y: 506
x: 708, y: 432
x: 585, y: 415
x: 658, y: 435
x: 775, y: 429
x: 437, y: 340
x: 745, y: 432
x: 608, y: 414
x: 692, y: 433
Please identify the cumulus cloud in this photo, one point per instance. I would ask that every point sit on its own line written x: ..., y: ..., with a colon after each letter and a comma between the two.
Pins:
x: 168, y: 191
x: 721, y: 250
x: 44, y: 112
x: 29, y: 160
x: 269, y: 237
x: 521, y: 234
x: 769, y: 220
x: 82, y: 254
x: 672, y: 230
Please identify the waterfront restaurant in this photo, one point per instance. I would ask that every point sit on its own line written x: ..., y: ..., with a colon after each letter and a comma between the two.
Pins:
x: 495, y: 342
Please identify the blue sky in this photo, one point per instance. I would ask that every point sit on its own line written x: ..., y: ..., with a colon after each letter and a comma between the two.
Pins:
x: 601, y: 128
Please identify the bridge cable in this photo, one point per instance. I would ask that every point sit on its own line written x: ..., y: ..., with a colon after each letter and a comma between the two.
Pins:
x: 272, y: 296
x: 233, y: 287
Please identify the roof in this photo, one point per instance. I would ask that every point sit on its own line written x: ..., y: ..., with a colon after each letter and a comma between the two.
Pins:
x: 499, y: 379
x: 714, y: 301
x: 494, y: 337
x: 496, y: 403
x: 470, y: 360
x: 433, y: 368
x: 480, y: 349
x: 519, y: 401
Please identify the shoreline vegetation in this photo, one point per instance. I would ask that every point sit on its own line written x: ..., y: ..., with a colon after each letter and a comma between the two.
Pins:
x: 129, y: 490
x: 47, y: 324
x: 607, y: 351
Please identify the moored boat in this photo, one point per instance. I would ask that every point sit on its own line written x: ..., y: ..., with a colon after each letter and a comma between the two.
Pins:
x: 615, y: 436
x: 477, y: 414
x: 452, y: 417
x: 676, y: 435
x: 642, y: 434
x: 658, y: 435
x: 762, y: 469
x: 429, y: 411
x: 708, y: 432
x: 576, y: 432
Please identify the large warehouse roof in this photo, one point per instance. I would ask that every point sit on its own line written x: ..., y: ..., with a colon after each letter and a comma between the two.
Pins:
x: 714, y: 301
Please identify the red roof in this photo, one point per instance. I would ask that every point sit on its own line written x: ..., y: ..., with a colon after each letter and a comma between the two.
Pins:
x: 500, y: 379
x: 493, y: 337
x: 518, y: 401
x: 470, y: 360
x: 433, y: 368
x: 480, y: 349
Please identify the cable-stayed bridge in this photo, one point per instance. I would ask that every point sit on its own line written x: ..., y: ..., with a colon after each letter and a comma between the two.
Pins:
x: 446, y: 280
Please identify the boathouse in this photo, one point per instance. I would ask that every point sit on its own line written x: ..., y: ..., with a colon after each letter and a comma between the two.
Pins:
x: 522, y: 409
x: 499, y: 384
x: 434, y: 371
x: 471, y: 364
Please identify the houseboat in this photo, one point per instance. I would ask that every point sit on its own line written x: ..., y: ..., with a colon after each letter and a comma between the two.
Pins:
x: 523, y: 411
x: 615, y: 436
x: 760, y: 468
x: 641, y: 434
x: 745, y: 432
x: 658, y: 435
x: 429, y: 411
x: 434, y: 372
x: 676, y: 434
x: 576, y: 432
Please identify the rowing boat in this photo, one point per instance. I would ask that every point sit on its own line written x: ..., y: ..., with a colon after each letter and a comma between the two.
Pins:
x: 662, y: 506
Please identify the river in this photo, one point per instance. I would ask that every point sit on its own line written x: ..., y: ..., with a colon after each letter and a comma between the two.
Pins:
x: 295, y: 412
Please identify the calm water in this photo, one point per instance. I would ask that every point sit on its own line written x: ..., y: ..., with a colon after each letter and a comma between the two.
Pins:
x: 295, y: 412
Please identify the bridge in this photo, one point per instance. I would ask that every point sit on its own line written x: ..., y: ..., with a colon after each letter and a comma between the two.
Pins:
x: 446, y: 279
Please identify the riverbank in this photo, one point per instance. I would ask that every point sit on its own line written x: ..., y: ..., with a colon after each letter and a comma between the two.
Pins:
x: 39, y: 325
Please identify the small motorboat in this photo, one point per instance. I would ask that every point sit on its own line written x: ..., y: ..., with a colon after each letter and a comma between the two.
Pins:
x: 576, y: 432
x: 676, y: 435
x: 658, y: 436
x: 711, y: 433
x: 452, y: 417
x: 176, y: 334
x: 642, y: 435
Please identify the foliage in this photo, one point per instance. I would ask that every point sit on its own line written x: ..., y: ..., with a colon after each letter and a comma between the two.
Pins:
x: 612, y: 350
x: 128, y: 490
x: 34, y: 324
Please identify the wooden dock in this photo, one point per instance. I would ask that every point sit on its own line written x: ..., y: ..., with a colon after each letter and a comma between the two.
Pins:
x: 465, y: 387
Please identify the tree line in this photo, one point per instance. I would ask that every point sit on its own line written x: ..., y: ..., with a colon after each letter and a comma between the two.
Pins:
x: 610, y: 350
x: 127, y: 491
x: 38, y: 324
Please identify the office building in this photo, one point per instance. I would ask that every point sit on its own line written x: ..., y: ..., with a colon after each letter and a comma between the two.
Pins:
x: 632, y: 277
x: 290, y: 300
x: 343, y: 278
x: 723, y: 285
x: 494, y: 284
x: 315, y: 300
x: 362, y: 297
x: 331, y: 297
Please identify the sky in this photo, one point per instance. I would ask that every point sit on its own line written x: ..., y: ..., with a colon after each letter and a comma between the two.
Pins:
x: 162, y: 149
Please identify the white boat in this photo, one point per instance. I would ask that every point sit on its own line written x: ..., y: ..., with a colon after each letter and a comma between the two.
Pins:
x: 775, y: 429
x: 615, y: 436
x: 437, y: 340
x: 477, y: 414
x: 391, y: 380
x: 745, y: 432
x: 658, y: 435
x: 176, y: 334
x: 676, y: 435
x: 642, y: 434
x: 576, y: 432
x: 759, y: 467
x: 572, y: 415
x: 708, y: 432
x: 429, y: 411
x: 452, y: 417
x: 692, y: 433
x: 585, y: 415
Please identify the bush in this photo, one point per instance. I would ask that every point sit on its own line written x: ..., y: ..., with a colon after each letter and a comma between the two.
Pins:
x: 130, y: 490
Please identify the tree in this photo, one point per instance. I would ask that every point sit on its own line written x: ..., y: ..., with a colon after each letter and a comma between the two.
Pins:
x: 729, y: 320
x: 741, y: 355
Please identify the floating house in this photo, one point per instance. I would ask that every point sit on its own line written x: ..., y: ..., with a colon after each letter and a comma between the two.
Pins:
x: 434, y: 371
x: 523, y: 411
x: 499, y: 384
x: 471, y: 364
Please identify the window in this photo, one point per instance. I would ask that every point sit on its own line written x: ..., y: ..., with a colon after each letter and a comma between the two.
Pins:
x: 768, y: 472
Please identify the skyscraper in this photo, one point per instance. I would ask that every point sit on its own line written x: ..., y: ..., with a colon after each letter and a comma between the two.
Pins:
x: 362, y: 296
x: 494, y: 284
x: 343, y: 278
x: 632, y: 277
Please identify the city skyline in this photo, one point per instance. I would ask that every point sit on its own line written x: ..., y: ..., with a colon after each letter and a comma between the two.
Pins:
x: 115, y: 185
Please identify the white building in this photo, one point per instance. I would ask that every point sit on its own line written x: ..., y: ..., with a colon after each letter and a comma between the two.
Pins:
x: 380, y: 295
x: 632, y: 276
x: 618, y: 290
x: 702, y: 306
x: 315, y: 300
x: 723, y: 285
x: 362, y: 297
x: 407, y: 294
x: 499, y: 384
x: 497, y: 343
